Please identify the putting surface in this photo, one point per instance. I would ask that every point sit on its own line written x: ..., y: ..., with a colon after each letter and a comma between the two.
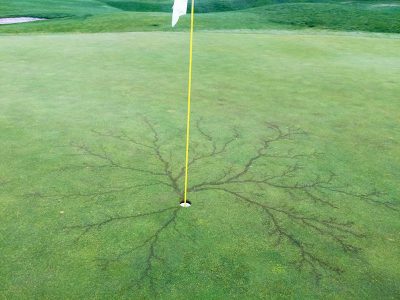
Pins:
x: 295, y: 151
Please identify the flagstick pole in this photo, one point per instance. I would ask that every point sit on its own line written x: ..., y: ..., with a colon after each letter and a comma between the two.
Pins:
x: 188, y: 107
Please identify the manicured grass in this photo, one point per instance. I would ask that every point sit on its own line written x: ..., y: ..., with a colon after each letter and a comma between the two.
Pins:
x: 52, y: 8
x: 111, y: 16
x: 92, y: 138
x: 144, y: 21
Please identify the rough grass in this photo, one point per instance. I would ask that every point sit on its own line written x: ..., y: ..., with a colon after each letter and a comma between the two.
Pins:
x: 201, y: 7
x: 90, y: 127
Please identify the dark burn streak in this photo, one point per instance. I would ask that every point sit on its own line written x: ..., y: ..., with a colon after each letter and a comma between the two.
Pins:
x: 231, y: 181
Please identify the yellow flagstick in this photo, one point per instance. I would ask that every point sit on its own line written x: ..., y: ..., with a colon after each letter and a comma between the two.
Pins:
x: 188, y: 107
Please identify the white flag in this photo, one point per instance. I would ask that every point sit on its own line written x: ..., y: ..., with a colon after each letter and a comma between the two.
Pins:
x: 179, y: 9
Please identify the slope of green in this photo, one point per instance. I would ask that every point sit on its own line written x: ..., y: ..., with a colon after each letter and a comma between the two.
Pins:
x: 92, y: 131
x: 95, y: 16
x: 144, y: 21
x: 200, y: 7
x: 349, y: 16
x: 52, y: 8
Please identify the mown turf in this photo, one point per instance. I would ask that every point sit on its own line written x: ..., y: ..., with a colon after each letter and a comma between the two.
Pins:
x: 110, y: 16
x: 200, y: 7
x: 91, y: 126
x: 53, y: 8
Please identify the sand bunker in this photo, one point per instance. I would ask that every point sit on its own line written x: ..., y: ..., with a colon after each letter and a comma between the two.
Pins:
x: 19, y: 20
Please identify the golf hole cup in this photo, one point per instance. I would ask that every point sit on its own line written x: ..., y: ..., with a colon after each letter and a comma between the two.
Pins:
x: 187, y: 204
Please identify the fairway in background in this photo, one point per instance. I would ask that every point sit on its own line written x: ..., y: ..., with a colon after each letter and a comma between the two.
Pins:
x: 142, y: 15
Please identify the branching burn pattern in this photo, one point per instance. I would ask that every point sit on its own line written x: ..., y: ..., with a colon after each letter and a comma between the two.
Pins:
x: 268, y: 169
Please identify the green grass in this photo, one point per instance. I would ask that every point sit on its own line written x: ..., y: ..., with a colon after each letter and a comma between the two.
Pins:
x: 121, y: 16
x: 75, y: 110
x: 206, y: 6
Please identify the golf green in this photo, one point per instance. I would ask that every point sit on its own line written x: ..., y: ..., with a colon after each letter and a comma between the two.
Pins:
x: 293, y: 178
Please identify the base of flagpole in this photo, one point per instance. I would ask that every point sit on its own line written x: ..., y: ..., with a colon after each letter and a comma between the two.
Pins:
x: 187, y: 204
